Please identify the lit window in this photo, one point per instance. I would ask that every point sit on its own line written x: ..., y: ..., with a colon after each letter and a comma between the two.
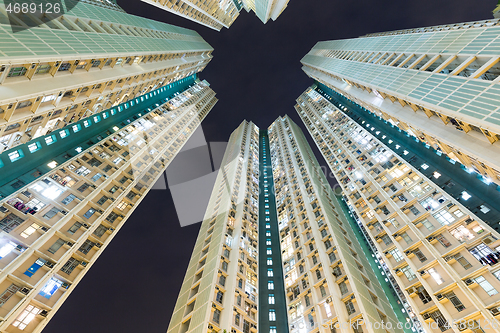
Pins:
x: 26, y: 317
x: 436, y: 174
x: 270, y: 285
x: 50, y: 140
x: 465, y: 195
x: 30, y: 230
x: 486, y: 285
x: 115, y: 128
x: 76, y: 128
x: 424, y: 166
x: 117, y: 160
x: 270, y: 273
x: 5, y: 250
x: 97, y: 119
x: 33, y: 147
x: 268, y: 242
x: 15, y: 155
x: 271, y: 299
x: 272, y: 315
x: 63, y: 133
x: 269, y: 251
x: 52, y: 164
x: 406, y: 152
x: 435, y: 275
x: 86, y: 123
x: 269, y: 261
x: 122, y: 205
x: 51, y: 287
x: 79, y: 149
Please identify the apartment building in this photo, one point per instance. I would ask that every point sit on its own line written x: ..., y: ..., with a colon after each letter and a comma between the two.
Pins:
x: 441, y: 84
x: 218, y: 14
x: 91, y: 58
x: 276, y: 252
x: 442, y: 255
x: 55, y: 227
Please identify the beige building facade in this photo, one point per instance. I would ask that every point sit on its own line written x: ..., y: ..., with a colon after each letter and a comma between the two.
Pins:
x: 90, y: 59
x: 442, y: 256
x: 440, y: 83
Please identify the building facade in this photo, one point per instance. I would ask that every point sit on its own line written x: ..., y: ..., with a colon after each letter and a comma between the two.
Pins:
x: 91, y: 58
x: 276, y: 252
x: 55, y: 227
x: 94, y: 105
x: 442, y: 256
x: 441, y: 84
x: 216, y: 14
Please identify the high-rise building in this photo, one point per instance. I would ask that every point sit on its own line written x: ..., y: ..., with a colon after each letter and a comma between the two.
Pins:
x: 496, y: 11
x: 276, y: 251
x: 95, y: 104
x: 91, y: 58
x: 441, y: 252
x: 218, y: 14
x: 69, y: 192
x: 441, y: 84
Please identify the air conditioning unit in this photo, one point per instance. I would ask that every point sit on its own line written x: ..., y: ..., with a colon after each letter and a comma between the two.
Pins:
x: 495, y: 311
x: 488, y: 240
x: 411, y: 290
x: 64, y: 212
x: 49, y: 264
x: 352, y: 297
x: 84, y: 263
x: 25, y: 290
x: 430, y: 239
x: 44, y: 229
x: 65, y: 285
x: 426, y: 316
x: 408, y: 253
x: 44, y: 313
x: 86, y: 226
x: 111, y: 229
x: 448, y: 258
x: 439, y: 297
x: 69, y: 244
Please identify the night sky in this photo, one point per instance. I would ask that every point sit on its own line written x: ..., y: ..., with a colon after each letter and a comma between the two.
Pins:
x: 256, y: 73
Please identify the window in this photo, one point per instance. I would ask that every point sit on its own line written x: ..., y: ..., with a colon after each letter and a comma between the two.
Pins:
x: 10, y: 222
x: 216, y: 316
x: 56, y: 246
x: 88, y: 214
x: 396, y: 255
x: 30, y: 230
x: 8, y: 293
x: 428, y: 225
x: 481, y: 251
x: 269, y: 251
x: 343, y: 288
x: 435, y: 275
x: 387, y: 240
x: 272, y: 329
x: 322, y: 290
x: 270, y: 272
x: 407, y: 238
x: 269, y: 262
x: 420, y: 255
x: 270, y: 285
x: 222, y: 280
x: 462, y: 234
x: 272, y: 315
x: 74, y: 228
x: 408, y: 273
x: 486, y: 285
x: 224, y: 266
x: 462, y: 261
x: 444, y: 217
x: 86, y: 246
x: 219, y: 297
x: 68, y: 199
x: 5, y: 250
x: 26, y: 316
x: 271, y: 299
x: 441, y: 239
x: 350, y: 307
x: 50, y: 139
x: 15, y: 155
x: 51, y: 287
x: 455, y: 301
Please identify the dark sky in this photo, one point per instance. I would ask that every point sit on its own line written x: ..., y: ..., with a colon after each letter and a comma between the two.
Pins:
x: 257, y: 76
